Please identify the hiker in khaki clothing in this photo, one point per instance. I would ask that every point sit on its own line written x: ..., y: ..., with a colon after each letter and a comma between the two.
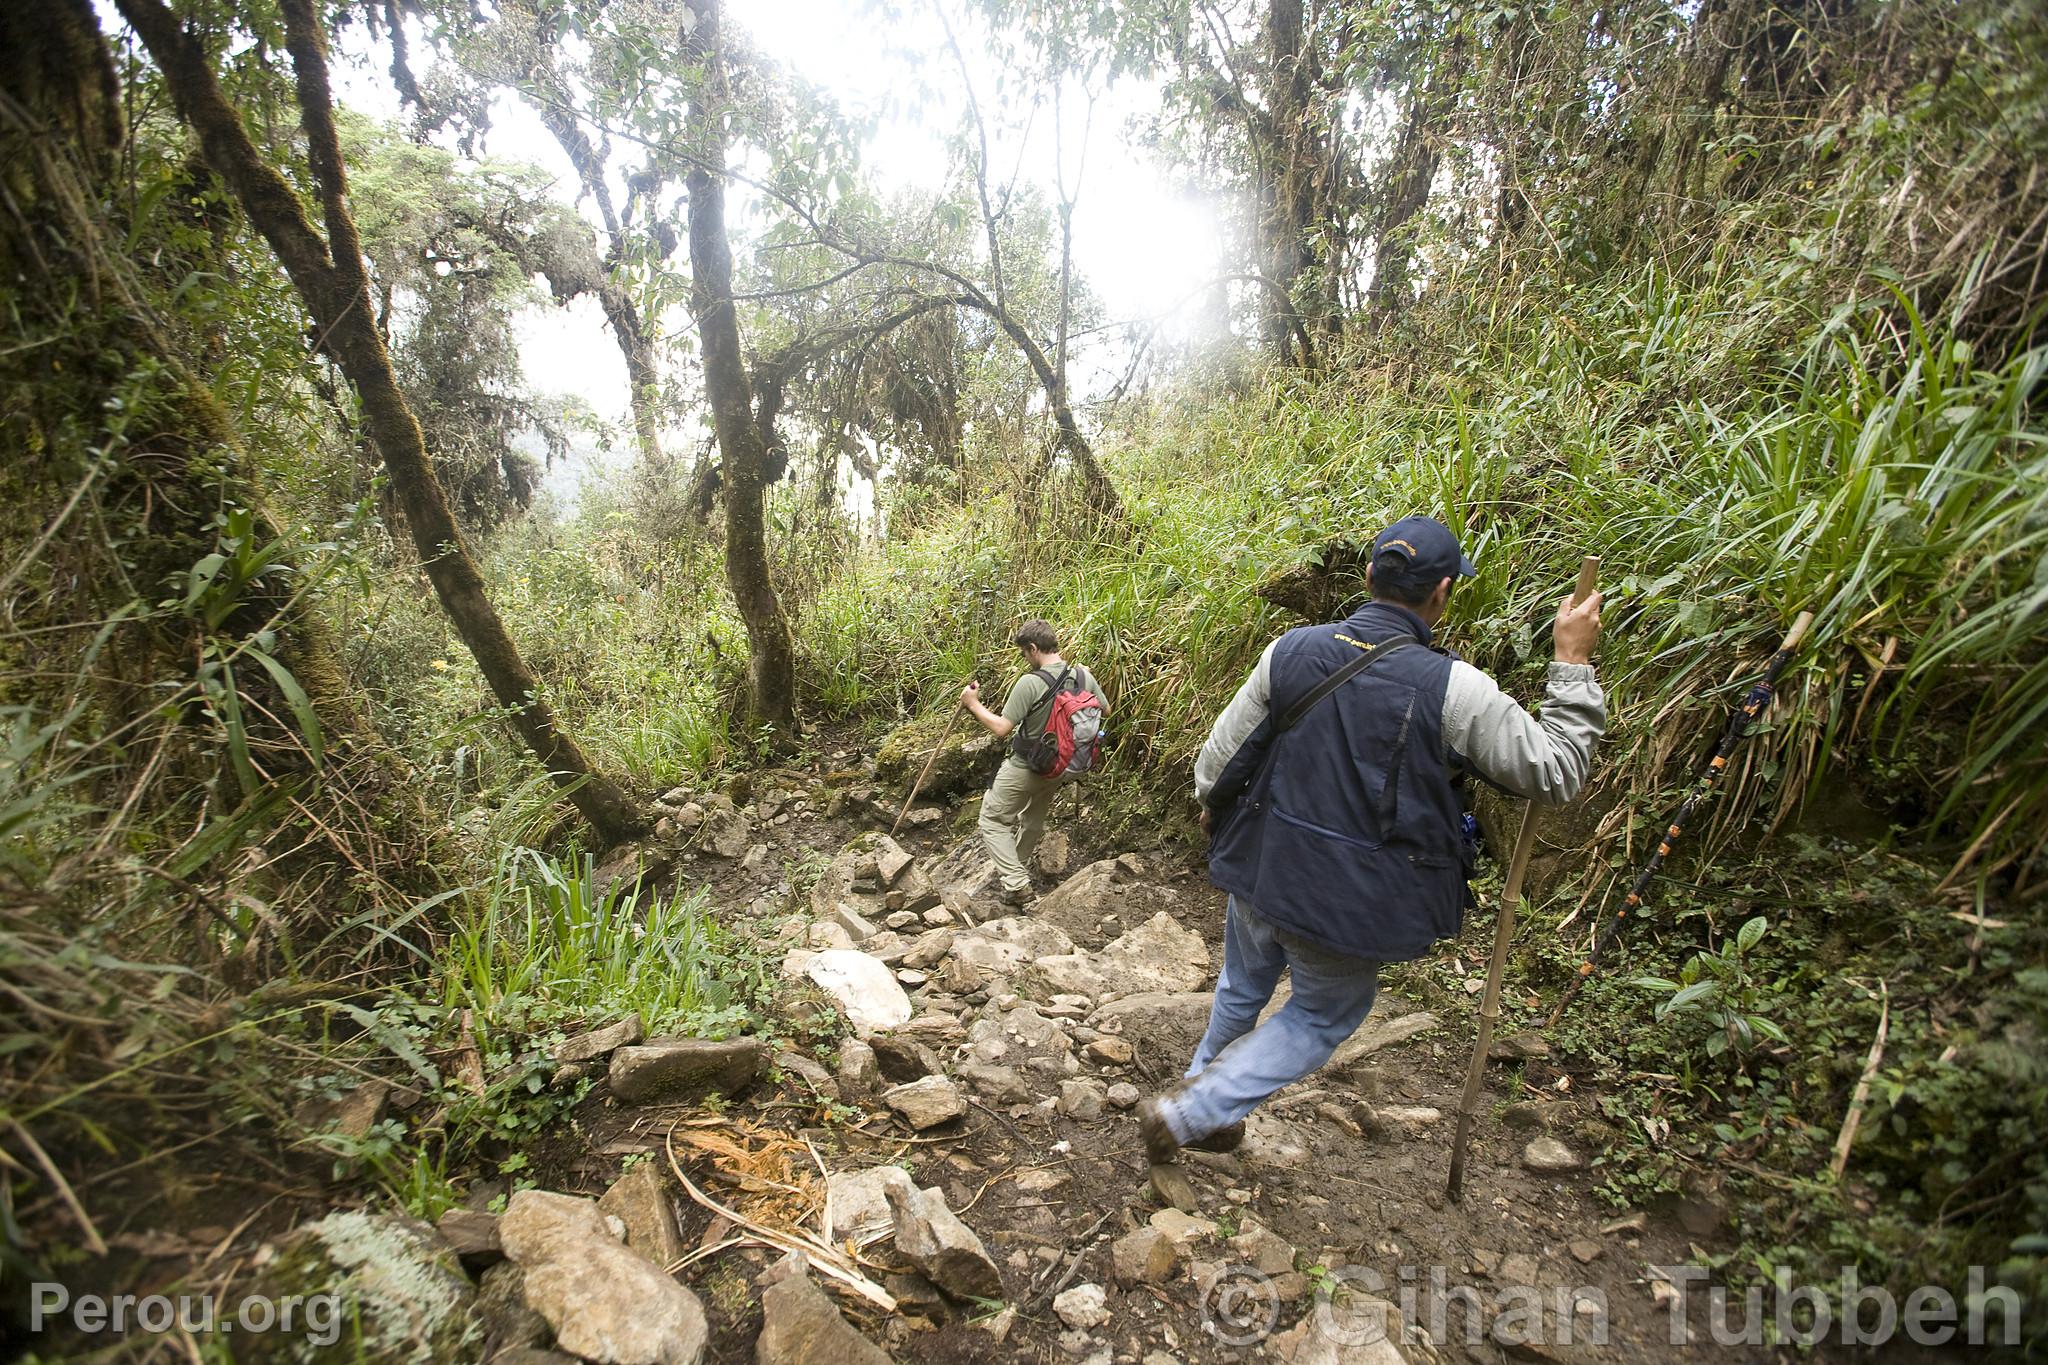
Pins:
x: 1014, y: 810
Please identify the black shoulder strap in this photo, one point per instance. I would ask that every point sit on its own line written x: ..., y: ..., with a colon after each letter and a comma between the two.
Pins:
x: 1044, y: 703
x: 1367, y: 657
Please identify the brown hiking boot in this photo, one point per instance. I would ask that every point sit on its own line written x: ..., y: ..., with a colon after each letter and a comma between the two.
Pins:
x: 1225, y: 1139
x: 1017, y: 895
x: 1160, y: 1144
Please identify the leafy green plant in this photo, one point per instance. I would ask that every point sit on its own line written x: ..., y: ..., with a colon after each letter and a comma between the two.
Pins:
x: 548, y: 944
x: 1721, y: 989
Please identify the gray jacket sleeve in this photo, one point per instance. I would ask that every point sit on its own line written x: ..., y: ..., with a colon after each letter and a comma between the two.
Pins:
x: 1246, y: 710
x: 1545, y: 760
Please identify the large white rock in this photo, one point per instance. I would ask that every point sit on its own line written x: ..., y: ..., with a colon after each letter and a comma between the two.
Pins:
x: 604, y: 1301
x: 1157, y: 956
x: 1001, y: 946
x: 864, y: 988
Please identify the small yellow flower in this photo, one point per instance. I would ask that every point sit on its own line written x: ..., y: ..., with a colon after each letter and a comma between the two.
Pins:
x: 441, y: 664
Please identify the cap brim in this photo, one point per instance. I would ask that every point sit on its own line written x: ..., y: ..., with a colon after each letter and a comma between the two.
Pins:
x: 1466, y: 568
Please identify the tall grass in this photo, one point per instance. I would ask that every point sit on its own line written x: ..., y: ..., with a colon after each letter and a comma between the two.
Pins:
x: 545, y: 945
x: 1871, y: 471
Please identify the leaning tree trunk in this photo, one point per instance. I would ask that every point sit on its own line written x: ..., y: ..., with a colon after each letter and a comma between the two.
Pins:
x: 743, y: 453
x: 1405, y: 192
x: 330, y: 278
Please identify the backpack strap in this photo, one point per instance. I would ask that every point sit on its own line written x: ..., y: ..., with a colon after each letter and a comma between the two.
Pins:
x: 1367, y: 657
x: 1040, y: 714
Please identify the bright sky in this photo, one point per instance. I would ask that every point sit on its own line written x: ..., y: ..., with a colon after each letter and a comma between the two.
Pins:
x: 1141, y: 242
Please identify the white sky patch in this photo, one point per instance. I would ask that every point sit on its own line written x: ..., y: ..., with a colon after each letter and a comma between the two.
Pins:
x: 1144, y: 244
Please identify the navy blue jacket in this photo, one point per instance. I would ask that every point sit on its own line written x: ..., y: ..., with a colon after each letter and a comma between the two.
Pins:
x: 1347, y: 830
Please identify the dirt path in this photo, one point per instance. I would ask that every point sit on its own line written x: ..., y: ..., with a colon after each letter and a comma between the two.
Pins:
x: 1050, y: 1177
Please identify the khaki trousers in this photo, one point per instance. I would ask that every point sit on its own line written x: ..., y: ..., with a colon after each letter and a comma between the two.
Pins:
x: 1012, y: 819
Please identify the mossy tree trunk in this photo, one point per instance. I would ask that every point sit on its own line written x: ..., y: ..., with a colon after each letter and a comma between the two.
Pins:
x: 743, y: 450
x: 330, y: 277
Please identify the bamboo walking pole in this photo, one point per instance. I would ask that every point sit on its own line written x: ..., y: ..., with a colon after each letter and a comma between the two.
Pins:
x: 944, y: 735
x: 1503, y: 932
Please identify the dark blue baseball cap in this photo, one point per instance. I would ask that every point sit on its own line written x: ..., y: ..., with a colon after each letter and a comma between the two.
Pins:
x: 1426, y: 550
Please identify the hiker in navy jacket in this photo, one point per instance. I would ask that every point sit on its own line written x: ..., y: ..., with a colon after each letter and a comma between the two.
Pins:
x: 1336, y: 826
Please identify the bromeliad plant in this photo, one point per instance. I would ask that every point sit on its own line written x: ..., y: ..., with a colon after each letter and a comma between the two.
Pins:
x: 1720, y: 988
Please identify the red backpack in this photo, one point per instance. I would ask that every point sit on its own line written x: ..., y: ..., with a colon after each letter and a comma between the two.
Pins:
x: 1070, y: 745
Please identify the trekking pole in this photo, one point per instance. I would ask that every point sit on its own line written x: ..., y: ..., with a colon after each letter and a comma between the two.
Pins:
x: 1503, y: 932
x: 1738, y: 730
x: 944, y: 735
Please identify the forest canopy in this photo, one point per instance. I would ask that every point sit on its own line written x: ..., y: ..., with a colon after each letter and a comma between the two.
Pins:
x: 447, y: 442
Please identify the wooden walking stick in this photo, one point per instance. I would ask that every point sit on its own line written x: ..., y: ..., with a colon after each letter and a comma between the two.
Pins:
x: 1503, y: 932
x: 944, y: 735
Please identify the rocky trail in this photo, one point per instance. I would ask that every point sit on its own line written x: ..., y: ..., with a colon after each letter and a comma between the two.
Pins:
x: 961, y: 1178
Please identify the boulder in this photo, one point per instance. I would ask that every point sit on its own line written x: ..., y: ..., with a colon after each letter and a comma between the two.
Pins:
x: 857, y: 927
x: 860, y: 1200
x: 800, y: 1326
x: 1394, y: 1120
x: 860, y: 1071
x: 1054, y: 854
x: 863, y: 988
x: 598, y: 1042
x: 1537, y: 1113
x: 940, y: 1245
x: 918, y: 892
x: 672, y: 1070
x: 1182, y: 1228
x: 891, y: 862
x: 965, y: 762
x: 1526, y: 1046
x: 473, y: 1236
x: 1158, y: 955
x: 604, y: 1302
x: 640, y: 1200
x: 964, y: 871
x: 1347, y: 1329
x: 1019, y: 1036
x: 352, y: 1116
x: 1082, y: 1098
x: 1082, y: 902
x: 727, y: 831
x: 1083, y: 1307
x: 928, y: 949
x: 1170, y: 1182
x: 925, y: 1103
x: 1550, y: 1157
x: 1268, y: 1252
x: 1002, y: 947
x: 905, y: 1059
x: 1159, y: 1023
x: 808, y: 1075
x: 508, y: 1321
x: 396, y: 1278
x: 997, y: 1084
x: 1109, y: 1052
x: 1143, y: 1256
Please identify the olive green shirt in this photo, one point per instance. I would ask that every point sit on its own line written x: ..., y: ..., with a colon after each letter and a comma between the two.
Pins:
x: 1028, y: 694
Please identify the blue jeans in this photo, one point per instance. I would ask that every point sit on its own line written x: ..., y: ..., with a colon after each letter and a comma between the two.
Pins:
x: 1238, y: 1066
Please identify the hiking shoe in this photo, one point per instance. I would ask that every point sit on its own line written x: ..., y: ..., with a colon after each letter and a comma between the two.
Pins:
x: 1017, y: 895
x: 1160, y: 1143
x: 1225, y: 1139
